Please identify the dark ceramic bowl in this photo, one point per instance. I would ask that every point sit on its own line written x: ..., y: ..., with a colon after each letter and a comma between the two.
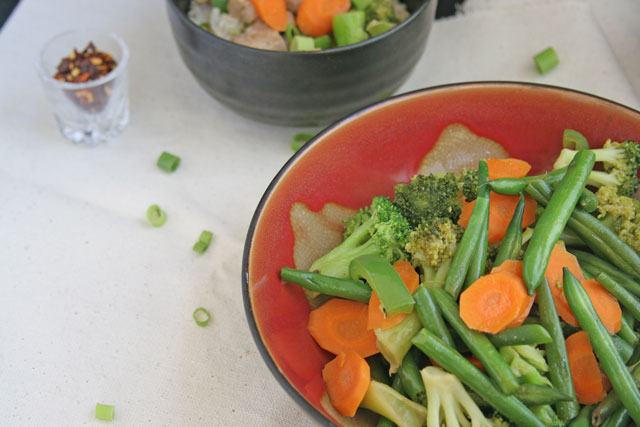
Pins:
x: 302, y: 88
x: 365, y: 155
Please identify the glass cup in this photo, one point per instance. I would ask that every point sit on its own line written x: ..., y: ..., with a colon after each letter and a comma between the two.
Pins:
x: 95, y: 110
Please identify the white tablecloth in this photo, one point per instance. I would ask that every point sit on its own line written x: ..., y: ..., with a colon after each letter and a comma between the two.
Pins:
x: 95, y: 304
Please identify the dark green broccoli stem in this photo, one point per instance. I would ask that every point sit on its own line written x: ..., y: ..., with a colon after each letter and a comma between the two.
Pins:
x: 595, y: 265
x: 409, y: 373
x: 469, y: 243
x: 512, y: 241
x: 478, y: 343
x: 379, y: 372
x: 610, y: 361
x: 478, y: 262
x: 430, y: 316
x: 556, y: 352
x: 521, y: 335
x: 385, y: 281
x: 344, y: 288
x: 447, y: 357
x: 584, y: 417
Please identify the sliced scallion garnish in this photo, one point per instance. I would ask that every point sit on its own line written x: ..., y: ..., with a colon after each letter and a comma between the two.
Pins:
x: 104, y: 412
x: 168, y: 162
x: 203, y: 242
x: 201, y: 316
x: 156, y: 216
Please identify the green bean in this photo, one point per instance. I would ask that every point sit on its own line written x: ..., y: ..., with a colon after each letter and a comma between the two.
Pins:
x: 447, y: 357
x: 478, y: 262
x: 595, y: 265
x: 556, y: 352
x: 343, y: 288
x: 409, y: 373
x: 635, y: 356
x: 574, y: 140
x: 512, y: 241
x: 612, y: 402
x: 620, y: 418
x: 624, y: 297
x: 587, y: 201
x: 610, y: 361
x: 600, y: 239
x: 521, y: 335
x: 550, y: 225
x: 623, y: 347
x: 468, y: 244
x: 537, y: 394
x: 626, y: 333
x: 584, y: 417
x: 478, y: 343
x: 430, y: 316
x: 571, y: 239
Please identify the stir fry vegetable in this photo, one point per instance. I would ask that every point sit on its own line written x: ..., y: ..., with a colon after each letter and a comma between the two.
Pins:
x: 478, y: 322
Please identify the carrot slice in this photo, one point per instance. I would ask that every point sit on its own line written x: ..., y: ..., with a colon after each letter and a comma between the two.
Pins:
x: 586, y: 375
x: 507, y: 168
x: 341, y: 325
x: 377, y: 318
x: 515, y: 267
x: 501, y: 210
x: 346, y: 378
x: 493, y: 302
x: 273, y: 13
x: 315, y: 17
x: 605, y: 304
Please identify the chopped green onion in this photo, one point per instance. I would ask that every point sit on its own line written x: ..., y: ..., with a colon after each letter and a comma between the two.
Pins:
x: 376, y: 27
x: 299, y: 140
x: 290, y: 32
x: 322, y: 42
x: 574, y: 140
x: 104, y: 412
x: 220, y: 4
x: 348, y: 28
x: 302, y: 44
x: 203, y: 242
x: 361, y: 4
x: 205, y: 26
x: 205, y: 316
x: 156, y: 216
x: 168, y: 161
x: 546, y: 60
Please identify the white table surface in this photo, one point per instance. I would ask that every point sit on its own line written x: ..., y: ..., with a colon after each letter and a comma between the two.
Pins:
x: 95, y: 304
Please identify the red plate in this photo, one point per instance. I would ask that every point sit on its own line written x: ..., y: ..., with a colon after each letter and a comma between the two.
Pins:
x: 365, y: 155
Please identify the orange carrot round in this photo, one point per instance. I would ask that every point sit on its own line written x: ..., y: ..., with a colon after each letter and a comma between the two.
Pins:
x: 493, y: 302
x: 501, y: 210
x: 315, y: 17
x: 377, y: 318
x: 586, y: 375
x: 273, y: 13
x: 507, y: 168
x: 515, y: 267
x: 341, y: 325
x: 346, y: 379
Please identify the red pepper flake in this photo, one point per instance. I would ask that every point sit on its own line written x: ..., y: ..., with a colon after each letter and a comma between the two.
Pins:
x: 90, y: 62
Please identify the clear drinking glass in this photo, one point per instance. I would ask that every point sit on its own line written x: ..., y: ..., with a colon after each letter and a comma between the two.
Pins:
x: 93, y: 111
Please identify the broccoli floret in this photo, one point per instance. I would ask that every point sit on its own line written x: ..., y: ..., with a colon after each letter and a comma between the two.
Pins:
x: 468, y: 184
x: 446, y: 396
x: 426, y: 197
x: 623, y: 214
x: 355, y: 221
x: 431, y: 247
x: 381, y: 229
x: 382, y: 10
x: 492, y: 253
x: 384, y: 400
x: 621, y: 162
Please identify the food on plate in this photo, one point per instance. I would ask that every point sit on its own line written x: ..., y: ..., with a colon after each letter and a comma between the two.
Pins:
x: 521, y: 310
x: 297, y: 25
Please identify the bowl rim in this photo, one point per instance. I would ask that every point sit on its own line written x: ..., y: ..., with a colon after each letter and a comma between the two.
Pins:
x: 343, y: 49
x: 289, y: 388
